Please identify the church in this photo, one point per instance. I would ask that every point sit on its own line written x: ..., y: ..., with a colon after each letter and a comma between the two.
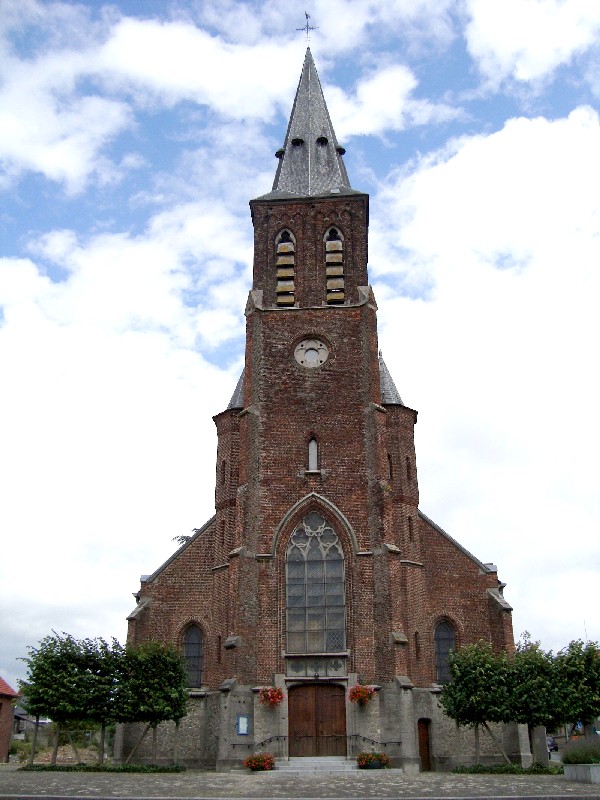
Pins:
x: 317, y: 608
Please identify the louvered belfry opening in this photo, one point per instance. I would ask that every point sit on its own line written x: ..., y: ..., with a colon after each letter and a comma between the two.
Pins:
x: 285, y: 262
x: 334, y: 265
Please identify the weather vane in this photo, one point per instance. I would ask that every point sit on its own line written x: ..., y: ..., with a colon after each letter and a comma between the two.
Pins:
x: 307, y: 28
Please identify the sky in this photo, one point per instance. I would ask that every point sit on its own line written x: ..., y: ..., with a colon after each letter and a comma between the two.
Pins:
x: 132, y: 136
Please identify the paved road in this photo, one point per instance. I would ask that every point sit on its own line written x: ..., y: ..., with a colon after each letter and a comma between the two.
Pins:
x: 361, y: 785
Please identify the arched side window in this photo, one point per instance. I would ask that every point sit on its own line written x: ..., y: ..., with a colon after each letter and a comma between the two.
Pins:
x: 315, y: 589
x: 193, y: 654
x: 334, y: 265
x: 445, y: 643
x: 285, y: 262
x: 313, y: 455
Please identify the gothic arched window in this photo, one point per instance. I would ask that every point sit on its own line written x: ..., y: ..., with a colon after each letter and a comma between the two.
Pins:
x: 444, y: 644
x: 285, y: 261
x: 193, y: 647
x: 334, y: 266
x: 315, y: 589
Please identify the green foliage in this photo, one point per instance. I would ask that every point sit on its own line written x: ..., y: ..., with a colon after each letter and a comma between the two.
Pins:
x: 534, y: 697
x: 578, y: 678
x: 152, y: 685
x: 584, y: 751
x: 90, y: 681
x: 509, y: 769
x: 478, y: 691
x: 21, y: 748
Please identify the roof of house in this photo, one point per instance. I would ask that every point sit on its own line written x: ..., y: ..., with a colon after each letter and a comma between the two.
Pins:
x: 6, y: 690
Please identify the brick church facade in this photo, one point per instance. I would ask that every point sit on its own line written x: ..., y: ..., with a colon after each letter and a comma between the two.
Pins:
x: 318, y: 571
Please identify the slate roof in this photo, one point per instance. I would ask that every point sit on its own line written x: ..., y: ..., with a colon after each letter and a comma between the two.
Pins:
x: 237, y: 398
x: 389, y: 394
x: 310, y: 161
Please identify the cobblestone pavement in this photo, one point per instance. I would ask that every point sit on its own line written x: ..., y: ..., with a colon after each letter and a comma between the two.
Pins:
x: 369, y: 785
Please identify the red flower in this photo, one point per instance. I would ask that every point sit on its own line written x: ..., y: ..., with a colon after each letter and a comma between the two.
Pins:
x: 271, y: 695
x: 361, y: 694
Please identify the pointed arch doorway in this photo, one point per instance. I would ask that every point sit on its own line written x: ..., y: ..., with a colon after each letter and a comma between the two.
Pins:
x: 317, y: 720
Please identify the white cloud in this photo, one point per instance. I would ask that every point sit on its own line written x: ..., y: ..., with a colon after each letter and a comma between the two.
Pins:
x: 383, y: 102
x: 499, y: 360
x: 529, y: 39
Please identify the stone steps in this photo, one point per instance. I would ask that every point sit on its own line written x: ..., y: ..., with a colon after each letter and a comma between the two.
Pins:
x: 323, y: 765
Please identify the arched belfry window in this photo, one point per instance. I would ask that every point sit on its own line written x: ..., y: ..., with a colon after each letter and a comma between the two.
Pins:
x: 285, y: 262
x: 334, y: 266
x: 193, y: 654
x: 445, y: 643
x: 315, y: 589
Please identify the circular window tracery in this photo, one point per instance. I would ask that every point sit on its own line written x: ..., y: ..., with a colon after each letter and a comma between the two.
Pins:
x: 311, y: 353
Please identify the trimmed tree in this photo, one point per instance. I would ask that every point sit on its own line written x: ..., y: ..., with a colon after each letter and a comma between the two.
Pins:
x: 58, y: 683
x: 478, y: 690
x: 152, y: 689
x: 534, y: 696
x: 578, y: 678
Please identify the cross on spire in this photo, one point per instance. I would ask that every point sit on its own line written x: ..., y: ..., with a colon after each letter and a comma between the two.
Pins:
x: 306, y: 27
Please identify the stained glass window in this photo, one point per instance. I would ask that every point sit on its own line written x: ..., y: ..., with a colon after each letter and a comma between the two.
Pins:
x: 444, y: 645
x: 315, y: 589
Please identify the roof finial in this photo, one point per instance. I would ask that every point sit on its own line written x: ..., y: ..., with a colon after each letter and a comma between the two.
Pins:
x: 307, y: 28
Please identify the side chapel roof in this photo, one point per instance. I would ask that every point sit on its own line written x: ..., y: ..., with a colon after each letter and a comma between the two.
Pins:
x: 389, y: 394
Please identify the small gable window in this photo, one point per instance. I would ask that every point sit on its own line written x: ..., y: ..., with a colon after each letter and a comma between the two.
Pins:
x: 285, y: 263
x: 193, y: 647
x: 445, y: 643
x: 334, y: 267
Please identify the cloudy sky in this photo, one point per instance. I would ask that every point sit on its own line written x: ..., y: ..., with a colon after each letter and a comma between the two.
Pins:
x: 133, y: 134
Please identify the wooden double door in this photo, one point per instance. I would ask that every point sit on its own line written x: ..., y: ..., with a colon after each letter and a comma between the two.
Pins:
x: 317, y: 720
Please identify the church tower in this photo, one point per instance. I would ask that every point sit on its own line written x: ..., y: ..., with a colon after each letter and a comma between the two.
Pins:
x: 318, y: 572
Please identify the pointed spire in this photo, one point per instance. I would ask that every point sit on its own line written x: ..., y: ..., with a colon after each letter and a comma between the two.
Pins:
x: 237, y: 398
x: 311, y: 161
x: 389, y: 394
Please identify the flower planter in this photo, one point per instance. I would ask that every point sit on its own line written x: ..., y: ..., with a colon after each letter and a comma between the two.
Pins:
x: 584, y: 773
x: 373, y: 765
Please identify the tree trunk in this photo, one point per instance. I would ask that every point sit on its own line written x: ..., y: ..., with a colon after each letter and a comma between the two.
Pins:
x: 477, y: 747
x: 140, y: 740
x: 34, y: 742
x: 74, y: 748
x: 154, y: 743
x: 56, y: 742
x: 101, y: 745
x: 497, y: 743
x: 176, y: 744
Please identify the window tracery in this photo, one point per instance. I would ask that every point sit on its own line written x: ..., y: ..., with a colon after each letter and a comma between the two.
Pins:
x: 315, y: 588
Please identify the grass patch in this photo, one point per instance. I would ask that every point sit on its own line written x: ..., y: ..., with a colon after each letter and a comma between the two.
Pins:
x: 100, y: 768
x: 509, y: 769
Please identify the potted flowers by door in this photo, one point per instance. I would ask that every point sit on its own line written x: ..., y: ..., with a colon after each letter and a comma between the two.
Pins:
x: 260, y: 761
x: 361, y: 694
x: 270, y: 695
x: 372, y: 760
